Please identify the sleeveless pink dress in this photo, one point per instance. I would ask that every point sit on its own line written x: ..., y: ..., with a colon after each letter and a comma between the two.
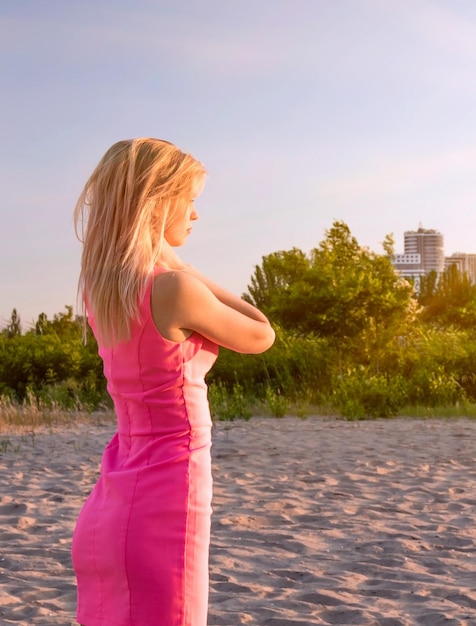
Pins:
x: 141, y: 543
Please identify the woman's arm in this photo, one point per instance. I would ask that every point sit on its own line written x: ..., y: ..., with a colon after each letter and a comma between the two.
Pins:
x: 227, y: 297
x: 185, y: 301
x: 171, y: 260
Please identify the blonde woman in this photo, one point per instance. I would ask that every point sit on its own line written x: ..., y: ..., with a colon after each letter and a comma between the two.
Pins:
x: 140, y: 547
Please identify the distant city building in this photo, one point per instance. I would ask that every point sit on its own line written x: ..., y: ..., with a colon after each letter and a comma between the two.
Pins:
x: 408, y: 265
x: 423, y: 253
x: 429, y: 244
x: 465, y: 263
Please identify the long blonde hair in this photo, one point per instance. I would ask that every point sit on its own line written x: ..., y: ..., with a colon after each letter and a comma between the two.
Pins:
x: 120, y: 217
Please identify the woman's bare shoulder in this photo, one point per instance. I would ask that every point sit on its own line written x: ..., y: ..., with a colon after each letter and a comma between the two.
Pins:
x: 176, y: 283
x: 173, y: 292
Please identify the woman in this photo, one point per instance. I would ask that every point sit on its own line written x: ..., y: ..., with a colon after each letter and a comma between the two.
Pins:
x: 140, y: 547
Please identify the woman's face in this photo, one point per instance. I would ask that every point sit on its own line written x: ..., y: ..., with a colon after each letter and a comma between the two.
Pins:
x: 180, y: 227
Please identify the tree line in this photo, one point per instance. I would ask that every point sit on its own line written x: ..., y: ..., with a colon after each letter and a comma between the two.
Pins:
x: 352, y: 335
x: 50, y: 363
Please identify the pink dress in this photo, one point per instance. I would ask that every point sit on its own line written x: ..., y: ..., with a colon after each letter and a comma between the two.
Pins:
x: 141, y: 543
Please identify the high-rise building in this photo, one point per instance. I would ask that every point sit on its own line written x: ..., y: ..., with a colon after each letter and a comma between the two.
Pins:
x: 423, y: 253
x: 429, y: 244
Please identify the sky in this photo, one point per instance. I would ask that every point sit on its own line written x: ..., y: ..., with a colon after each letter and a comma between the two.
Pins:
x: 303, y: 112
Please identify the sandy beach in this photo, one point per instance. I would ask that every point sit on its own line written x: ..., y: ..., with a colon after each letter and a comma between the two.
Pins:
x: 316, y: 521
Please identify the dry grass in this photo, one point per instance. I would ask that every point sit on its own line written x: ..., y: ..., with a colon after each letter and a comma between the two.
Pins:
x: 31, y: 416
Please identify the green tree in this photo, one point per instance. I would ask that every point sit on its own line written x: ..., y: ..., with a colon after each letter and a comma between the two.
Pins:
x: 448, y: 299
x: 50, y: 359
x: 278, y: 273
x: 13, y: 328
x: 64, y: 325
x: 340, y: 290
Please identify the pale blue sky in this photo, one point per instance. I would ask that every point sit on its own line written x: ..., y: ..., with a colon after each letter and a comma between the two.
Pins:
x: 303, y: 111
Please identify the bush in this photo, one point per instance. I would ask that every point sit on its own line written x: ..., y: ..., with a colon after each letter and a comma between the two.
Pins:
x: 228, y: 405
x: 277, y: 403
x: 295, y: 367
x: 434, y: 388
x: 359, y: 394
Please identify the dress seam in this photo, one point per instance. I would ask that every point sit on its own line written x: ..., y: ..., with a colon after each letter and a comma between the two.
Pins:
x: 125, y: 545
x: 187, y: 515
x: 147, y: 320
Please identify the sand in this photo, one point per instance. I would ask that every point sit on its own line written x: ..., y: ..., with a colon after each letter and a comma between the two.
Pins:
x: 316, y: 521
